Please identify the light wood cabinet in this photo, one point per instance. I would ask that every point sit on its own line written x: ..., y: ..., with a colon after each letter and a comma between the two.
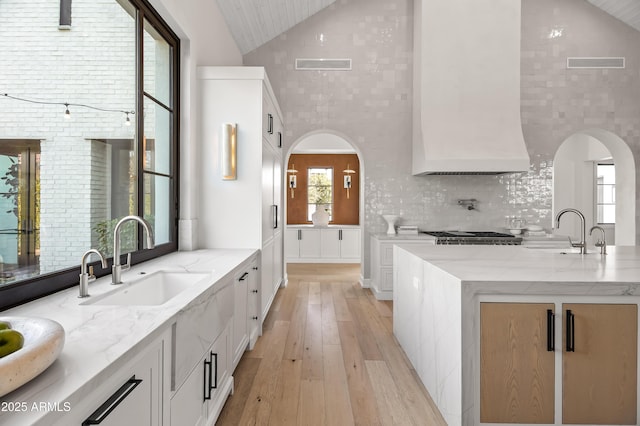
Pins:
x: 517, y: 363
x: 599, y: 364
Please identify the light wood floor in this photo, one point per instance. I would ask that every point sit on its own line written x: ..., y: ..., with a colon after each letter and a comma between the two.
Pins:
x: 327, y: 357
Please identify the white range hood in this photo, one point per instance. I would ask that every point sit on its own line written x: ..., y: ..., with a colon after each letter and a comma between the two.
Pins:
x: 467, y: 88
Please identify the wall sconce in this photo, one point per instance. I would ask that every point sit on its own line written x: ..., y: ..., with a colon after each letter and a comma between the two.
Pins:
x: 293, y: 180
x: 347, y: 178
x: 228, y: 150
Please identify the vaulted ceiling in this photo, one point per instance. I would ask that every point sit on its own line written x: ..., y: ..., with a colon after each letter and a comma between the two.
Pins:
x: 254, y: 22
x: 628, y: 11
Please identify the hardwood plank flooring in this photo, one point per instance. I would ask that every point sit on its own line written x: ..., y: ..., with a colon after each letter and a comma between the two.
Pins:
x: 327, y: 356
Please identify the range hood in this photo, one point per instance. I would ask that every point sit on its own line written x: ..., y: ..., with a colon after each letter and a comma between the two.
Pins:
x: 466, y: 116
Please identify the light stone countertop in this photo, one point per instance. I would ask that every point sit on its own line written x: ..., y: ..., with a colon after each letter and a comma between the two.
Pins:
x: 499, y: 264
x: 331, y: 225
x: 99, y: 339
x: 396, y: 237
x: 440, y: 288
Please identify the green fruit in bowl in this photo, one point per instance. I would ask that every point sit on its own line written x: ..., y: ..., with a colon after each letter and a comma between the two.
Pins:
x: 4, y: 325
x: 10, y: 341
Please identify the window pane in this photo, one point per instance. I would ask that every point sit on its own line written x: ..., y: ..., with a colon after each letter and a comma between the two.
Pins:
x: 157, y: 138
x: 157, y: 205
x: 72, y: 178
x: 606, y: 173
x: 319, y: 191
x: 157, y: 65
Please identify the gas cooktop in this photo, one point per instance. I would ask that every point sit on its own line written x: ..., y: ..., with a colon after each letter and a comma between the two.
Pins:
x: 474, y: 237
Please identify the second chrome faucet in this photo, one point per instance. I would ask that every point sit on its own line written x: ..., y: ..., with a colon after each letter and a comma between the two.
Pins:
x: 116, y: 269
x: 582, y: 244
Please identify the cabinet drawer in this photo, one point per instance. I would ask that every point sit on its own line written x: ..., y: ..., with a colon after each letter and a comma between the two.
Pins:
x: 198, y: 327
x: 386, y: 279
x: 386, y: 254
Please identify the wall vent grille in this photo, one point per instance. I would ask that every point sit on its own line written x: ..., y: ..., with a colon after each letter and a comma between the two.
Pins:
x: 323, y: 64
x: 593, y: 62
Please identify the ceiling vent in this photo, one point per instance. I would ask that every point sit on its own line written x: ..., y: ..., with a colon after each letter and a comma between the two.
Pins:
x: 323, y: 64
x: 592, y: 62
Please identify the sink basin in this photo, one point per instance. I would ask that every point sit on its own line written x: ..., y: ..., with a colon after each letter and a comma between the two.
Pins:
x: 156, y: 288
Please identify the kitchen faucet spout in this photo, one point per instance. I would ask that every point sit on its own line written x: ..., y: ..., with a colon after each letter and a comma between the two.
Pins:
x: 582, y: 244
x: 116, y: 269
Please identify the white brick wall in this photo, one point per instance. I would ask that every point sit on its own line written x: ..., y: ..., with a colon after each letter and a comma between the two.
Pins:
x: 93, y: 63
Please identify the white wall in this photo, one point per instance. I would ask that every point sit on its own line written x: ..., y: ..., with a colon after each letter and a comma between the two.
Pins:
x: 205, y: 40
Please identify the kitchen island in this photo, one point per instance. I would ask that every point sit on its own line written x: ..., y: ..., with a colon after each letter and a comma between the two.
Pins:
x: 524, y: 374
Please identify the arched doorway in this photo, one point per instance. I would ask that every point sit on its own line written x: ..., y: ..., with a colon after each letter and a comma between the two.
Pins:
x: 575, y: 182
x: 335, y: 158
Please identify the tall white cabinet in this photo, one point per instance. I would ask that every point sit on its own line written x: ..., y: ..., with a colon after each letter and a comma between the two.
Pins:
x: 245, y: 212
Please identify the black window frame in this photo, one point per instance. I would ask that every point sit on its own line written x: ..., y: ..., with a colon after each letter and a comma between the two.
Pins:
x: 14, y: 294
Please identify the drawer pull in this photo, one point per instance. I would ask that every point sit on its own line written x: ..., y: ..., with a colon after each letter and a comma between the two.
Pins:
x: 254, y: 291
x: 551, y: 331
x: 571, y: 331
x: 242, y: 278
x: 112, y: 403
x: 213, y: 360
x: 207, y: 376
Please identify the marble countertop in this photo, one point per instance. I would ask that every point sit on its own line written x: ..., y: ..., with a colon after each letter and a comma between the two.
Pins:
x: 396, y: 237
x: 331, y: 225
x: 521, y: 264
x: 100, y: 338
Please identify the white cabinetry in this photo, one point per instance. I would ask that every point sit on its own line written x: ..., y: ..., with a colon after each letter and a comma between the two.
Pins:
x: 382, y: 262
x: 203, y: 358
x: 136, y: 394
x: 246, y: 212
x: 323, y: 245
x: 245, y: 314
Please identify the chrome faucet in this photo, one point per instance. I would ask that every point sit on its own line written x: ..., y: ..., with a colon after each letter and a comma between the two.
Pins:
x: 600, y: 243
x: 86, y: 278
x: 117, y: 269
x: 582, y: 244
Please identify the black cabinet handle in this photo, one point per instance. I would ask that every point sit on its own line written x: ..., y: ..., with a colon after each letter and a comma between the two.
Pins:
x: 242, y: 278
x: 213, y: 358
x: 112, y: 403
x: 255, y: 268
x: 340, y: 234
x: 207, y: 379
x: 255, y: 318
x: 270, y: 124
x: 274, y: 212
x: 571, y: 331
x: 299, y: 234
x: 279, y: 139
x: 551, y: 331
x: 254, y: 291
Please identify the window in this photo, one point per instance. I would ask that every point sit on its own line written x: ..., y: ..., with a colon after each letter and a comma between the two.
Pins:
x: 320, y: 191
x: 605, y: 194
x: 88, y: 134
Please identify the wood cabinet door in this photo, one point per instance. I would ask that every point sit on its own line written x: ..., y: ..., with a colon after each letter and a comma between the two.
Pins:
x: 599, y: 381
x: 517, y: 367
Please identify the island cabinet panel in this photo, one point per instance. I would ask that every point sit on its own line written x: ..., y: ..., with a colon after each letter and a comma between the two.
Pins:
x: 599, y: 364
x: 517, y: 363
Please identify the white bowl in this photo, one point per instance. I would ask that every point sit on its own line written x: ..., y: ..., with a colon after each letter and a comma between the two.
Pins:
x: 43, y: 342
x: 516, y: 231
